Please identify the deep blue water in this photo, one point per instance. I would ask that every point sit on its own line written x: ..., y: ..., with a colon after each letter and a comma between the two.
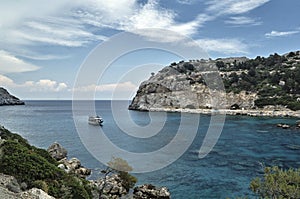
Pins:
x: 246, y: 143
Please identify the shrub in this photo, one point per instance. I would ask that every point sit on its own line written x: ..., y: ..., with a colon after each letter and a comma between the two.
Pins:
x: 277, y: 183
x: 37, y: 168
x: 40, y: 184
x: 128, y: 180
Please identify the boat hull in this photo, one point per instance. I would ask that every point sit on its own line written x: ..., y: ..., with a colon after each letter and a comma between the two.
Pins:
x: 97, y: 121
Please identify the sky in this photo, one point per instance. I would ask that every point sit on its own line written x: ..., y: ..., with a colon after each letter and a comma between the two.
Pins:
x: 44, y: 44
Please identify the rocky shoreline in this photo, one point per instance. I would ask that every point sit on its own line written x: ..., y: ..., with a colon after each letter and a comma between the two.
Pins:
x: 253, y: 113
x: 49, y: 174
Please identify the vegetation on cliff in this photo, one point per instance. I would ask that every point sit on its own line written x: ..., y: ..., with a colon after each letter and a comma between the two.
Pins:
x: 37, y: 168
x: 249, y: 83
x: 276, y: 78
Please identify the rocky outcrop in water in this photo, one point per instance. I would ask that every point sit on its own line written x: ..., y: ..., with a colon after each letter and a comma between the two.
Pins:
x: 150, y: 191
x: 8, y: 99
x: 111, y: 187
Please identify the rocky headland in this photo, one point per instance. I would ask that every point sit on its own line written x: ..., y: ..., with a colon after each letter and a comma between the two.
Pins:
x: 30, y: 172
x: 8, y: 99
x: 236, y: 86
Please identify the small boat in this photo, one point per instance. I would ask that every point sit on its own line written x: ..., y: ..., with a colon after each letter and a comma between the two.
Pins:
x: 95, y: 120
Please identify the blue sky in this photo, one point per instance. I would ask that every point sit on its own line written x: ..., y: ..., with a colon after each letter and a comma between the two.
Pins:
x: 43, y: 44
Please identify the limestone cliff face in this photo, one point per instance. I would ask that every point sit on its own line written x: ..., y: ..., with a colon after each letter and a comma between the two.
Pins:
x: 190, y: 85
x: 8, y: 99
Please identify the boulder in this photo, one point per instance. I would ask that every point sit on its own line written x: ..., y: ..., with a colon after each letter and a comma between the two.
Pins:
x: 35, y: 193
x: 285, y: 126
x: 69, y: 166
x: 83, y: 172
x: 74, y: 163
x: 13, y: 186
x: 111, y: 186
x: 150, y: 191
x: 74, y: 166
x: 57, y: 151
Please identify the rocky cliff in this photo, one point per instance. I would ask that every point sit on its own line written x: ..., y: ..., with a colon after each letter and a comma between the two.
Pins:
x: 8, y: 99
x: 228, y: 83
x: 189, y: 85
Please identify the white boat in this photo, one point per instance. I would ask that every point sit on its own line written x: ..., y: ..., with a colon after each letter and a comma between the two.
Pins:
x: 95, y: 120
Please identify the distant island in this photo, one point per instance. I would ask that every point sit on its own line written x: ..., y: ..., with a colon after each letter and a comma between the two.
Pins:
x: 7, y: 99
x: 259, y: 87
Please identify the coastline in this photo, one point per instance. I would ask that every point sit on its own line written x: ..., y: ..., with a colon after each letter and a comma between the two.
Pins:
x: 253, y: 113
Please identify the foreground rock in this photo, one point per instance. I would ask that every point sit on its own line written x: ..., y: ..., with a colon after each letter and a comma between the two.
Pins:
x: 57, y: 151
x: 10, y: 189
x: 72, y: 166
x: 111, y: 187
x: 150, y: 191
x: 35, y: 193
x: 8, y: 99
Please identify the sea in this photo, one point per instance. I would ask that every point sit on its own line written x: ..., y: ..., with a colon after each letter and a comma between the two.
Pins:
x: 246, y: 145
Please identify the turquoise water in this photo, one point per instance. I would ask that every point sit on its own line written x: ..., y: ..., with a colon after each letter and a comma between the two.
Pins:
x: 245, y: 145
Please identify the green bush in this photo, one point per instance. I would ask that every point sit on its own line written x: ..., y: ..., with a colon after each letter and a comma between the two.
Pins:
x: 40, y: 184
x: 37, y: 168
x: 128, y: 180
x: 277, y: 183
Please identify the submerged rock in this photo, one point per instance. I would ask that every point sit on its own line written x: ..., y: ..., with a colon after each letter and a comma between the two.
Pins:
x: 298, y: 123
x: 8, y: 99
x: 283, y: 126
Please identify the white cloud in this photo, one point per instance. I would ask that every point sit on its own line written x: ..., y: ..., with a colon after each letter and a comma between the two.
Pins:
x: 33, y: 23
x: 242, y: 20
x: 123, y: 87
x: 77, y: 23
x: 55, y: 31
x: 5, y: 81
x: 224, y: 46
x: 281, y: 33
x: 12, y: 64
x: 149, y: 15
x: 68, y: 23
x: 233, y: 6
x: 186, y: 2
x: 46, y: 85
x: 43, y: 85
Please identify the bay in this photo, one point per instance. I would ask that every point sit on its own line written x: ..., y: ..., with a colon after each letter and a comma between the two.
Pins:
x: 244, y: 147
